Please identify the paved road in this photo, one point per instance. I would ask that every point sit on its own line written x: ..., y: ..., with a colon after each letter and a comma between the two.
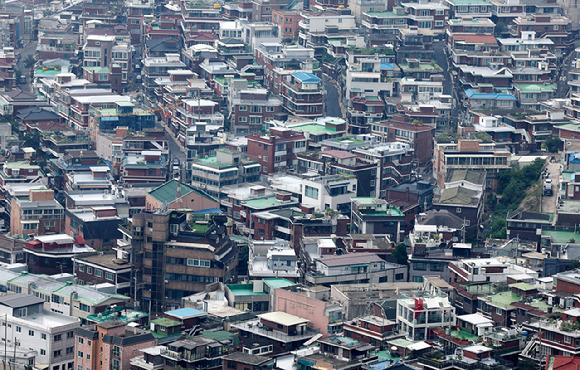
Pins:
x: 28, y: 49
x: 549, y: 202
x: 331, y: 99
x: 442, y: 60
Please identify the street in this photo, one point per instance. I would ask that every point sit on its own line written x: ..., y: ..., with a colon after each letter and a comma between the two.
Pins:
x: 549, y: 202
x: 28, y: 49
x: 331, y: 98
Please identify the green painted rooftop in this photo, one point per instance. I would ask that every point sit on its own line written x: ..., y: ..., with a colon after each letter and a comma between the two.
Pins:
x: 167, y: 192
x: 165, y: 322
x: 39, y: 72
x: 243, y: 289
x: 278, y: 283
x: 315, y: 129
x: 221, y: 336
x: 523, y: 286
x: 268, y: 202
x: 562, y: 236
x: 503, y: 299
x: 213, y: 162
x: 421, y: 67
x: 535, y: 88
x: 469, y: 2
x: 98, y: 69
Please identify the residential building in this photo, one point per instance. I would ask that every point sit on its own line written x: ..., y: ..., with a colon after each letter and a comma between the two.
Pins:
x: 276, y: 151
x: 227, y: 167
x: 485, y: 269
x: 285, y: 332
x: 190, y: 253
x: 145, y: 167
x: 354, y: 268
x: 374, y: 330
x: 376, y: 216
x: 54, y: 254
x: 470, y: 155
x: 311, y: 303
x: 302, y: 95
x: 464, y: 203
x: 119, y: 344
x: 419, y: 314
x: 402, y: 129
x: 38, y: 213
x: 104, y: 268
x: 40, y: 338
x: 242, y: 361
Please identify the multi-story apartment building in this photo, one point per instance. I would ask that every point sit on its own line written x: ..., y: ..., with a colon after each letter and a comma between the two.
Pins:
x: 354, y: 268
x: 401, y: 128
x: 250, y: 108
x: 376, y: 216
x: 311, y: 304
x: 19, y: 173
x: 37, y: 337
x: 314, y: 26
x: 469, y: 9
x: 194, y: 112
x: 54, y: 254
x: 430, y: 15
x: 552, y: 26
x: 418, y: 314
x: 146, y: 167
x: 394, y: 164
x: 226, y: 167
x: 104, y: 268
x: 154, y: 67
x: 276, y: 151
x: 173, y: 263
x: 470, y: 154
x: 111, y: 343
x: 38, y: 214
x: 302, y: 95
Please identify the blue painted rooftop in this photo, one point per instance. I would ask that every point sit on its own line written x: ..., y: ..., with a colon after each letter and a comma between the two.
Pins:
x: 186, y: 313
x: 387, y: 66
x: 209, y: 210
x: 574, y: 158
x: 473, y: 93
x: 306, y: 77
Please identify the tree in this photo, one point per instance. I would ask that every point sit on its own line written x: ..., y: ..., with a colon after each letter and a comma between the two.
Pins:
x: 32, y: 139
x: 29, y: 62
x: 552, y: 144
x: 400, y: 254
x: 527, y: 364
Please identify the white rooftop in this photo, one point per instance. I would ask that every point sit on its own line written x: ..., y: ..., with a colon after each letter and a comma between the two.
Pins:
x: 475, y: 319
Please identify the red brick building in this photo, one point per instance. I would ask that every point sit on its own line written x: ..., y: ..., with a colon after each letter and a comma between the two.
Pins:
x: 276, y: 152
x: 401, y: 128
x: 288, y: 21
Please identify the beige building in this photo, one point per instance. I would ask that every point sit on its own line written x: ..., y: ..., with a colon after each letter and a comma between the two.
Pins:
x: 38, y: 213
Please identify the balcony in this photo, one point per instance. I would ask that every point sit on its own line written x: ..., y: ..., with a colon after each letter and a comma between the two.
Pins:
x: 255, y: 328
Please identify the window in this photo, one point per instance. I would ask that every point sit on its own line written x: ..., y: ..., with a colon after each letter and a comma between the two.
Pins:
x: 31, y: 333
x: 458, y: 210
x: 57, y: 353
x: 310, y: 192
x: 19, y: 329
x: 567, y: 339
x: 70, y: 350
x: 82, y: 268
x: 42, y: 352
x: 243, y: 108
x: 89, y: 270
x: 43, y: 336
x: 242, y: 119
x: 269, y: 109
x: 498, y: 310
x: 49, y: 223
x: 400, y: 276
x: 80, y: 354
x: 70, y: 334
x: 98, y: 273
x: 58, y: 337
x: 109, y: 276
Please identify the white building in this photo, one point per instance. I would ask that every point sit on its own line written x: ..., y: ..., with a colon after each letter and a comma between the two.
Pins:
x: 36, y: 337
x: 272, y: 258
x: 419, y: 314
x: 329, y: 192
